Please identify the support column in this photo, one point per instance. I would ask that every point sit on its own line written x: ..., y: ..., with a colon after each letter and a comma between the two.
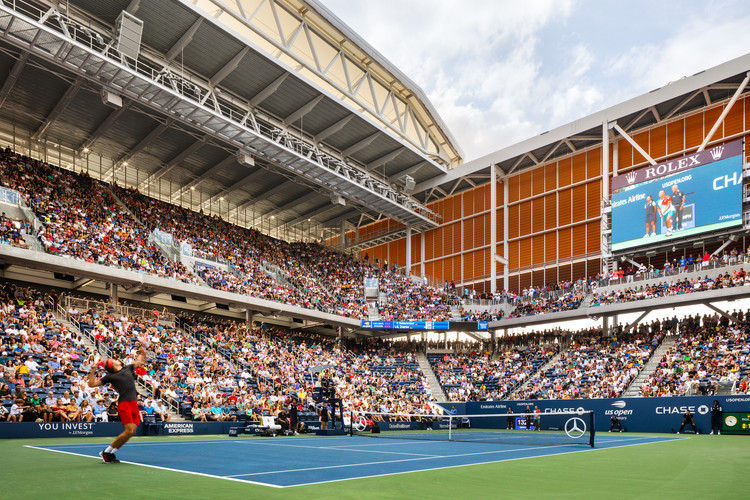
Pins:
x: 408, y: 251
x: 604, y: 250
x: 730, y: 317
x: 113, y: 293
x: 493, y: 229
x: 422, y: 240
x: 493, y: 337
x: 605, y: 325
x: 506, y: 251
x: 342, y: 240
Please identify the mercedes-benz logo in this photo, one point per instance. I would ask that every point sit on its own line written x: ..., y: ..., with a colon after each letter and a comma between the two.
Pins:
x: 575, y: 427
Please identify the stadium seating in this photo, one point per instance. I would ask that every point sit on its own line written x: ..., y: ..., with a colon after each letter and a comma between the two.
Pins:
x: 593, y: 367
x: 482, y: 377
x: 704, y: 360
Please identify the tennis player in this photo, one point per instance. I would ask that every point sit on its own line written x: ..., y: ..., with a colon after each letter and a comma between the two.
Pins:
x: 122, y: 379
x: 666, y: 210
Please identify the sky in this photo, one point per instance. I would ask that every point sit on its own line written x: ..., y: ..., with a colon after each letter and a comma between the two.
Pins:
x: 501, y: 71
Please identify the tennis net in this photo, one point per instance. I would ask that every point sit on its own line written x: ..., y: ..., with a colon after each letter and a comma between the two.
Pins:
x: 559, y: 428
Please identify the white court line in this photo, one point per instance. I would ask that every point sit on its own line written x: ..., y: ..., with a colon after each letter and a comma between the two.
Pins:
x: 340, y: 448
x: 235, y: 477
x: 395, y: 461
x: 228, y: 478
x: 475, y: 463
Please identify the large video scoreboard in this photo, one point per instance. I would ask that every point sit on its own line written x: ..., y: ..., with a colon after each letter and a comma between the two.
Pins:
x: 682, y: 197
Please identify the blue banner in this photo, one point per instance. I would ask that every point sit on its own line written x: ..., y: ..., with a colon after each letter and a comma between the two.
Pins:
x: 423, y: 325
x: 635, y: 414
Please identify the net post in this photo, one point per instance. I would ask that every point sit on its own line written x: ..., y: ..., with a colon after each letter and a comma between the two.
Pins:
x: 591, y: 426
x: 450, y: 426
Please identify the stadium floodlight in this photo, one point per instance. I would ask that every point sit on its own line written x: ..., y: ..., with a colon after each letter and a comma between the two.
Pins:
x: 128, y: 34
x: 245, y: 159
x: 337, y: 199
x: 111, y: 99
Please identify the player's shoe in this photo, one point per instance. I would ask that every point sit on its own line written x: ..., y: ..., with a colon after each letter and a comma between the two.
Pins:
x: 712, y: 433
x: 108, y: 458
x: 645, y: 235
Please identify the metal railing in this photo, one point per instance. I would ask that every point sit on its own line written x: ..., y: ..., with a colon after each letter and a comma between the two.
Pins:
x: 97, y: 306
x: 10, y: 196
x: 666, y: 272
x: 198, y: 91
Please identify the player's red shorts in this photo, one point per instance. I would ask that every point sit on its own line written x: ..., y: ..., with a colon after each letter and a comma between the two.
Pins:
x: 129, y: 413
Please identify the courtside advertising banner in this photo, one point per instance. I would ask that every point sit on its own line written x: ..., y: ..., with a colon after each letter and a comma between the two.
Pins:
x: 678, y: 198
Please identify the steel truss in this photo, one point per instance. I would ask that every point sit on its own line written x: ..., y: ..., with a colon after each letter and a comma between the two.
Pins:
x: 62, y: 40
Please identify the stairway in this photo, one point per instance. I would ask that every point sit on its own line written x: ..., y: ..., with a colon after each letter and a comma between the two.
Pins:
x: 541, y: 369
x: 586, y: 302
x: 432, y: 381
x: 456, y: 312
x: 651, y: 365
x: 373, y: 313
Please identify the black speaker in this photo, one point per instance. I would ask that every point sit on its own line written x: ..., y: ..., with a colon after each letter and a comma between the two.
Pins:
x: 376, y: 430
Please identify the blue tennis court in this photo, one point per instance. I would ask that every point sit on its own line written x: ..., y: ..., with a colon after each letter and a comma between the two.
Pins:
x: 295, y: 461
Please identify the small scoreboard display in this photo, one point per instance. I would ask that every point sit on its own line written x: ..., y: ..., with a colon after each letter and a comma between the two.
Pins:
x: 735, y: 423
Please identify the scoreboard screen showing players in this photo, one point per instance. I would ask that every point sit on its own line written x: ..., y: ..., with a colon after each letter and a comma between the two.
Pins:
x: 678, y: 198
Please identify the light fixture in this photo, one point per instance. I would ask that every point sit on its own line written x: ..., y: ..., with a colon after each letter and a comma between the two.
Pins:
x: 192, y: 188
x: 85, y: 150
x: 124, y: 164
x: 221, y: 198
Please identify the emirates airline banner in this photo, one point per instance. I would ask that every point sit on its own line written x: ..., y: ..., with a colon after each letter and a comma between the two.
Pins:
x: 679, y: 198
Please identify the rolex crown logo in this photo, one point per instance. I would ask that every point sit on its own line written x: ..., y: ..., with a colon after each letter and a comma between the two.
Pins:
x: 716, y: 152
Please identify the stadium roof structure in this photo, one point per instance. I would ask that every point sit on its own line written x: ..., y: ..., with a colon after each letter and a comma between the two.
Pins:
x: 270, y: 113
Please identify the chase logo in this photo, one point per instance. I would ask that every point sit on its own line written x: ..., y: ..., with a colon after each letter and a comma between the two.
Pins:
x: 619, y: 404
x: 702, y: 409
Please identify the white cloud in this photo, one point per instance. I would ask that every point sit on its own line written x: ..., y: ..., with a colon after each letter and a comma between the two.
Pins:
x: 500, y: 72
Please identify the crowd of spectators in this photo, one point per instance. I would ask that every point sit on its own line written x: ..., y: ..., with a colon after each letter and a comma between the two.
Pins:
x: 670, y: 288
x: 481, y: 376
x: 44, y: 364
x: 307, y: 274
x: 12, y: 231
x: 709, y: 353
x: 368, y: 376
x: 81, y: 220
x: 537, y: 304
x: 687, y: 263
x: 593, y: 366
